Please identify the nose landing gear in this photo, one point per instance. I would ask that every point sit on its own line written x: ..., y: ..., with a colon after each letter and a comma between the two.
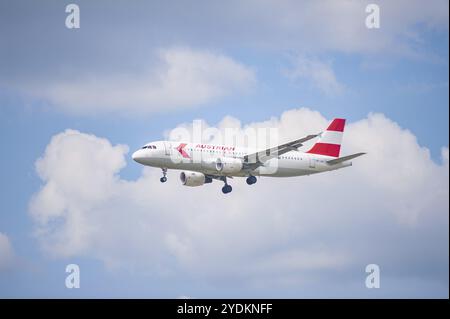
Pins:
x: 163, y: 179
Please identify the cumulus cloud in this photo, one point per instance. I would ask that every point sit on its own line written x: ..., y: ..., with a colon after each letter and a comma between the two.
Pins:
x: 286, y: 24
x: 6, y: 252
x: 317, y: 72
x: 61, y: 193
x: 180, y: 78
x: 305, y: 234
x: 336, y: 26
x: 109, y: 67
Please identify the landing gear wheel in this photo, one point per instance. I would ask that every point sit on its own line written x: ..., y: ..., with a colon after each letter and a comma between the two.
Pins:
x: 251, y: 180
x: 164, y: 178
x: 227, y: 189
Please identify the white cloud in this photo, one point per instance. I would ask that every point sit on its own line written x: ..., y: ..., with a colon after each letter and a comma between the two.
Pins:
x: 315, y: 26
x: 390, y: 208
x: 317, y: 72
x: 6, y: 252
x: 180, y: 78
x: 111, y: 76
x: 62, y: 198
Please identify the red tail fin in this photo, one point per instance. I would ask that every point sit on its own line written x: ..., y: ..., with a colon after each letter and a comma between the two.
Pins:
x: 330, y: 141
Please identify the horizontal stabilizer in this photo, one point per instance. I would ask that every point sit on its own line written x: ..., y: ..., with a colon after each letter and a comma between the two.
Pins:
x: 343, y: 159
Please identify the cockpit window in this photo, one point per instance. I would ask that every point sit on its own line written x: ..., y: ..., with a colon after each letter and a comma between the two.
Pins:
x: 149, y: 147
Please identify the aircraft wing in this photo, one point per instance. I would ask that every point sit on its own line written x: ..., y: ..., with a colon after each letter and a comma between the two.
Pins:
x: 257, y: 159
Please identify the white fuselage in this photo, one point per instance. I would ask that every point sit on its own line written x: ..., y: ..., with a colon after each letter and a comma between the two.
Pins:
x: 198, y: 157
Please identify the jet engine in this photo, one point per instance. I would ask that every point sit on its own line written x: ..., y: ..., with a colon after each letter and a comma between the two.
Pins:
x: 189, y: 178
x: 228, y: 165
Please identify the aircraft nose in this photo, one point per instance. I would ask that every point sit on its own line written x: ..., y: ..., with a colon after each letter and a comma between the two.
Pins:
x: 137, y: 156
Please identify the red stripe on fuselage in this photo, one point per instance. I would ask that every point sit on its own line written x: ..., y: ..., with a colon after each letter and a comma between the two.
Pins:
x: 325, y: 149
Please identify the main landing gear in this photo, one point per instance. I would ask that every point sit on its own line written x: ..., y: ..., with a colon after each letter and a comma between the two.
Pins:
x: 226, y: 188
x: 251, y: 180
x: 163, y: 179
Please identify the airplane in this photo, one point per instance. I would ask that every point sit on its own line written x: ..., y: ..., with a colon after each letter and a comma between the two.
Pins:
x: 202, y: 163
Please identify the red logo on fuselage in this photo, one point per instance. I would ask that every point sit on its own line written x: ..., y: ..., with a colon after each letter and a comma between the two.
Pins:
x: 216, y: 147
x: 180, y: 149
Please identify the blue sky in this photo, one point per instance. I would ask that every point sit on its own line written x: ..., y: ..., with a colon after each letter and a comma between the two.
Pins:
x: 135, y: 71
